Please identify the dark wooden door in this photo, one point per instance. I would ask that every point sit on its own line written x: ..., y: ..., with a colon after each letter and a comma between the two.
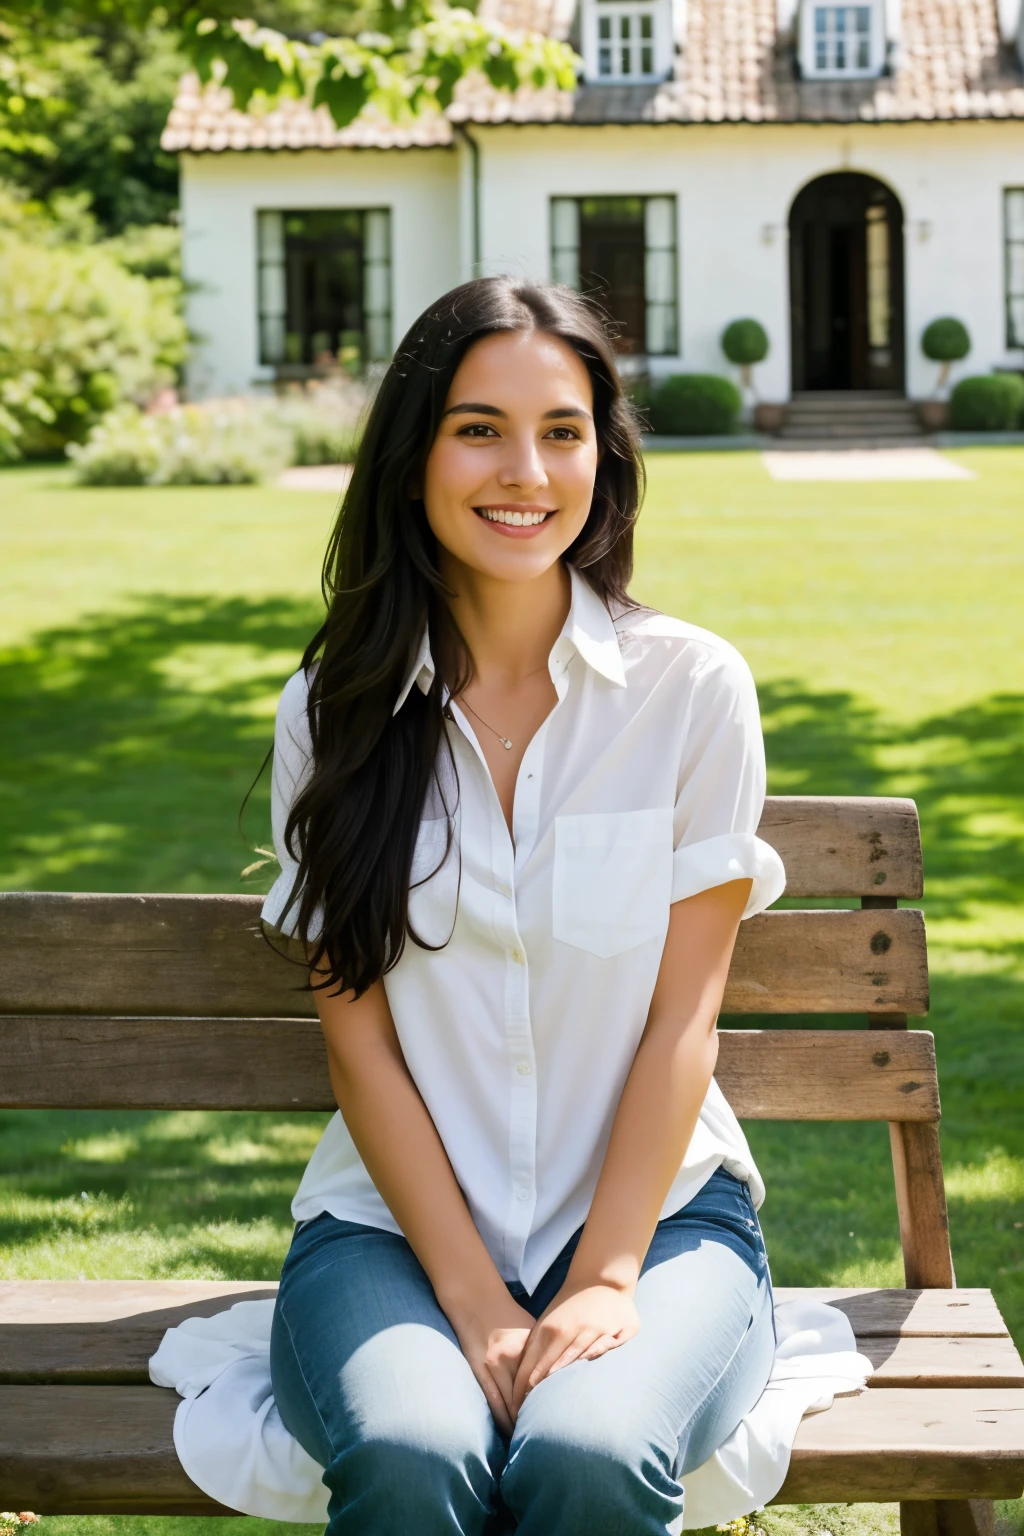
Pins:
x: 846, y: 285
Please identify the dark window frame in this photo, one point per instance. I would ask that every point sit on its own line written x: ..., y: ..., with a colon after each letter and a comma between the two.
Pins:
x: 662, y: 331
x: 272, y: 301
x: 1014, y: 336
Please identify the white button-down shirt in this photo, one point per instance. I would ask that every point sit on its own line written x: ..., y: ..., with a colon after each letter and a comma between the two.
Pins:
x: 643, y: 786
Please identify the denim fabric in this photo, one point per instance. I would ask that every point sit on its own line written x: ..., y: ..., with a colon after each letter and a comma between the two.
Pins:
x: 369, y: 1378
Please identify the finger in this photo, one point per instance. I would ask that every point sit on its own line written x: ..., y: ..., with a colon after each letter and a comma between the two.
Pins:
x: 602, y: 1345
x: 584, y: 1339
x: 496, y: 1403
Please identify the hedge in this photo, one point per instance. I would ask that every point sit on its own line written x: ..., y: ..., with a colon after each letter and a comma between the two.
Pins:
x: 991, y: 402
x: 695, y: 405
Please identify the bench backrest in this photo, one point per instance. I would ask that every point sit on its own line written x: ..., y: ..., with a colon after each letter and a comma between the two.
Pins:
x: 177, y: 1002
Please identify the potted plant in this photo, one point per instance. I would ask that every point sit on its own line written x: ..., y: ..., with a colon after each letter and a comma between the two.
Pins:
x: 745, y: 343
x: 946, y: 341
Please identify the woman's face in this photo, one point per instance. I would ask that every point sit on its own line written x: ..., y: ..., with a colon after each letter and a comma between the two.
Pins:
x: 510, y: 477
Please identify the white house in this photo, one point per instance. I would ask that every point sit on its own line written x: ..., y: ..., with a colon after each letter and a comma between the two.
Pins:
x: 843, y: 173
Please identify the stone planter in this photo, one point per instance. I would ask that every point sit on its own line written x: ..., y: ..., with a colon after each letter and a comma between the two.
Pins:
x: 769, y: 416
x: 933, y: 414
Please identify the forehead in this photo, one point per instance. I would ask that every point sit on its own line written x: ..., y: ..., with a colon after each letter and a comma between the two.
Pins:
x: 522, y: 365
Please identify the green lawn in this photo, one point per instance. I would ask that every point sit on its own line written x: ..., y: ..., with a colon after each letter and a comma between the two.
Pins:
x: 144, y: 636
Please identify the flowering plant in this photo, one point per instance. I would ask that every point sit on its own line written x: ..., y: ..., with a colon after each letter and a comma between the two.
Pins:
x: 11, y: 1524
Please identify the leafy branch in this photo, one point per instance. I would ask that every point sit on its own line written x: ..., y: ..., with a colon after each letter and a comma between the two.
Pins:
x: 413, y: 67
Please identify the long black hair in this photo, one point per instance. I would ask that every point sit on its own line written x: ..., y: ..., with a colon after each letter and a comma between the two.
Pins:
x: 353, y: 825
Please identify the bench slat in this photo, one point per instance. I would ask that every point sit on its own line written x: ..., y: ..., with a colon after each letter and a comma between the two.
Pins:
x: 109, y: 1450
x: 846, y: 845
x: 106, y: 1330
x: 197, y: 956
x: 281, y: 1064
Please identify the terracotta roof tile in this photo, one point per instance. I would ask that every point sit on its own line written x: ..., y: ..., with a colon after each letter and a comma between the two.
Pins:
x: 734, y: 69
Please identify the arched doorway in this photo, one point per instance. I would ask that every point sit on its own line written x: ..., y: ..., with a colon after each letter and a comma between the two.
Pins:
x: 846, y: 284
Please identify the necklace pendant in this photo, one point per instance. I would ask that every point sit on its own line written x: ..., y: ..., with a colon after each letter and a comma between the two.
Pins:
x: 505, y: 743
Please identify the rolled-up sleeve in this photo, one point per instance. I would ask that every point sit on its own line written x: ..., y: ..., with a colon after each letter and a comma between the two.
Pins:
x: 721, y: 788
x: 293, y: 757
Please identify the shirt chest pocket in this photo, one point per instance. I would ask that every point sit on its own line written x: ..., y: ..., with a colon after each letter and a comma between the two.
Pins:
x: 612, y: 879
x: 433, y: 883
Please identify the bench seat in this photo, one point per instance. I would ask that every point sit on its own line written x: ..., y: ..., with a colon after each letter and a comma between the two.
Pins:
x: 82, y: 1431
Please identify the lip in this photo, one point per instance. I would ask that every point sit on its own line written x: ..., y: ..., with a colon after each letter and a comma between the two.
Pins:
x: 513, y: 530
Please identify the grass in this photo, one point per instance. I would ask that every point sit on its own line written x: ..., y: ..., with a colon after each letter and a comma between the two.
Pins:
x: 143, y: 638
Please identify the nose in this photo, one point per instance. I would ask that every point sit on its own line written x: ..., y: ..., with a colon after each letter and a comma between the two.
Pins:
x: 522, y: 465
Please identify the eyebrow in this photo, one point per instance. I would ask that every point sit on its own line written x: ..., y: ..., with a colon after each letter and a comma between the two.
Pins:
x: 476, y: 408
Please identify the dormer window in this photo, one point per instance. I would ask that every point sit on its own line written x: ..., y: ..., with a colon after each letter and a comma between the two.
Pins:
x: 841, y: 42
x: 627, y: 41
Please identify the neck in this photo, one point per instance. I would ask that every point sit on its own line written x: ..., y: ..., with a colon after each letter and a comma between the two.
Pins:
x: 508, y: 626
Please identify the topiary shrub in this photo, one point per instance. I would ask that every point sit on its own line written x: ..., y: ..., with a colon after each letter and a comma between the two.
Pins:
x: 695, y: 405
x: 745, y: 342
x: 991, y: 402
x: 946, y: 341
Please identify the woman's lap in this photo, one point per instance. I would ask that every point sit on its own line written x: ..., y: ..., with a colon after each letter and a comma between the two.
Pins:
x: 369, y: 1377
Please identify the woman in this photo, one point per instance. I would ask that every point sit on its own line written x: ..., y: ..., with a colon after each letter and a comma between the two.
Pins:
x: 516, y: 817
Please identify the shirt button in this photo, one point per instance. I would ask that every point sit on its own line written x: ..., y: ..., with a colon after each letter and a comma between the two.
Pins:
x: 518, y: 957
x: 523, y: 1068
x: 522, y: 1194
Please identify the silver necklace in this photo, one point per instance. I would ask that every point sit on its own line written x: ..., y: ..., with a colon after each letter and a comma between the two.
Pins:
x: 505, y: 741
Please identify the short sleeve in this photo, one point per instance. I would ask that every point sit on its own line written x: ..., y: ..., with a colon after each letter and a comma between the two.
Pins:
x: 721, y: 787
x: 293, y: 757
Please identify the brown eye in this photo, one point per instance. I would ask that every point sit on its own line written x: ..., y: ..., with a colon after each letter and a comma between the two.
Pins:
x: 477, y: 429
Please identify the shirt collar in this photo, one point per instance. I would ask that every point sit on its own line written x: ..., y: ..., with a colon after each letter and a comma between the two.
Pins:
x: 588, y: 629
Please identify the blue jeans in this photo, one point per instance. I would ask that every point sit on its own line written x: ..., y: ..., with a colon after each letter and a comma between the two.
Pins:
x: 369, y: 1378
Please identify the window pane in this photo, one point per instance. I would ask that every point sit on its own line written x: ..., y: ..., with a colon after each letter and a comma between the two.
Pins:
x: 565, y: 222
x: 272, y: 339
x: 271, y: 236
x: 624, y: 28
x: 661, y: 329
x: 646, y: 26
x: 377, y: 235
x: 1015, y: 268
x: 646, y: 60
x: 604, y: 27
x: 1015, y: 214
x: 660, y: 223
x: 604, y: 61
x: 625, y: 66
x: 272, y: 292
x: 660, y: 275
x: 863, y: 54
x: 1016, y: 323
x: 820, y: 20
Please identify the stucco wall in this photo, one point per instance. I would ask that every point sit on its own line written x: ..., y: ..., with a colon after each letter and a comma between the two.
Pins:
x: 220, y: 196
x: 735, y: 185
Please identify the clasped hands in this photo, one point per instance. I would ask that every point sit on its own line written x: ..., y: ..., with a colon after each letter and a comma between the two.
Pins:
x: 510, y: 1353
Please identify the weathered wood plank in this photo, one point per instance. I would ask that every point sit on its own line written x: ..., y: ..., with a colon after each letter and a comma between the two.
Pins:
x: 105, y: 1331
x: 194, y: 956
x: 909, y: 1362
x: 96, y: 1449
x: 74, y: 1062
x: 921, y: 1203
x: 910, y: 1444
x: 970, y: 1312
x: 845, y: 846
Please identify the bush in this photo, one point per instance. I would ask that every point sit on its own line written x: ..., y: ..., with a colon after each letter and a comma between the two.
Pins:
x: 745, y: 342
x: 227, y: 442
x: 946, y: 341
x: 695, y: 405
x: 988, y: 403
x: 324, y: 423
x: 222, y: 442
x: 79, y: 333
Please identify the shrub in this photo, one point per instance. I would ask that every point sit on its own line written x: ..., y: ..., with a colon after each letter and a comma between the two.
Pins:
x: 946, y: 341
x: 991, y: 402
x: 745, y: 342
x: 79, y: 333
x: 695, y: 405
x: 226, y: 442
x: 324, y: 423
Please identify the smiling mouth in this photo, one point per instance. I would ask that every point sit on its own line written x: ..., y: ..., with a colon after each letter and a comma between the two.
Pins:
x: 514, y: 518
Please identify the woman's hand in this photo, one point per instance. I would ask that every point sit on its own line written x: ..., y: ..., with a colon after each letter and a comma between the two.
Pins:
x: 492, y: 1335
x: 578, y: 1325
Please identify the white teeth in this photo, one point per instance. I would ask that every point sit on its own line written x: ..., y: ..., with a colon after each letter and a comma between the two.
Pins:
x: 517, y: 519
x: 514, y: 519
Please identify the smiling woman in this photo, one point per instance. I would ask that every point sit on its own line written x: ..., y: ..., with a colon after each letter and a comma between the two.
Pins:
x: 516, y: 819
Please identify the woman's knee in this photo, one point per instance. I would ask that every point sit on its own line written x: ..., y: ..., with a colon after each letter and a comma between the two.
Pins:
x: 579, y: 1461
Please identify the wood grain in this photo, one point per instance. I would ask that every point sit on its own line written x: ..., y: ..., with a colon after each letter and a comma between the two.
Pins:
x: 200, y: 956
x: 921, y: 1203
x: 91, y: 1063
x: 846, y: 845
x: 943, y: 1362
x: 925, y: 1314
x: 107, y: 1449
x: 910, y: 1444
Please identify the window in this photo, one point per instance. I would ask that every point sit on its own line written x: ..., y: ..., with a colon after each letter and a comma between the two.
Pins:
x: 842, y: 42
x: 623, y: 251
x: 625, y: 41
x: 1014, y: 215
x: 324, y: 288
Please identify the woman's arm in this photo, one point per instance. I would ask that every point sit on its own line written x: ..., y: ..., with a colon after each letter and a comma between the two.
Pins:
x: 404, y: 1156
x: 654, y: 1123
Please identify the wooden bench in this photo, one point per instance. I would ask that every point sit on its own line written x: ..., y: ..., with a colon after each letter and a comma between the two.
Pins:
x: 171, y: 1002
